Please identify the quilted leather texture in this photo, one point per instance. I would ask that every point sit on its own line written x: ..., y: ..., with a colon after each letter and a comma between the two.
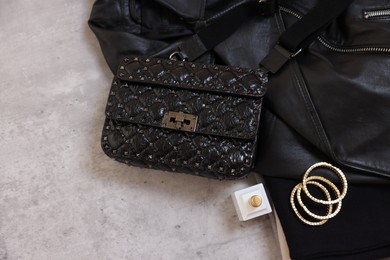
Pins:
x: 224, y: 143
x: 165, y: 149
x: 188, y: 75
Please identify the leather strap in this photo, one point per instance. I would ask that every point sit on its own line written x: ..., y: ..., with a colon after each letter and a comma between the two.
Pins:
x: 223, y: 27
x: 303, y: 32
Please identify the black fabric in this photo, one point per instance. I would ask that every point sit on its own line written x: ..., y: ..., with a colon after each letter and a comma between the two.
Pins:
x: 332, y: 106
x: 281, y: 145
x: 360, y: 231
x: 158, y: 27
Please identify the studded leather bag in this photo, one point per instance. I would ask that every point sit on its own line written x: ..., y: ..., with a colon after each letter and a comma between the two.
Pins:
x: 196, y: 118
x: 186, y: 117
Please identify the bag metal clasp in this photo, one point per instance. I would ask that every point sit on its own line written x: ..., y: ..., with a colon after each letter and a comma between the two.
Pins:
x: 182, y: 56
x: 179, y: 121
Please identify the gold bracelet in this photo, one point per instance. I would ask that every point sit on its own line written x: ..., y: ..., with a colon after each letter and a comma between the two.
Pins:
x: 335, y: 190
x: 311, y: 223
x: 329, y: 202
x: 334, y: 169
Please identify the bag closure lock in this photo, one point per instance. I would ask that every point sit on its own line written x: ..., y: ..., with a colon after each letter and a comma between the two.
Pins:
x: 179, y: 121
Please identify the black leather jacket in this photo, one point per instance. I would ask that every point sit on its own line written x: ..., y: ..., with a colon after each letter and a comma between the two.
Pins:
x: 304, y: 121
x: 331, y: 103
x: 157, y: 27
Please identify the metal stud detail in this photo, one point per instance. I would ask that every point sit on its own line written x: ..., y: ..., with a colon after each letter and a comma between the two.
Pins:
x: 133, y: 128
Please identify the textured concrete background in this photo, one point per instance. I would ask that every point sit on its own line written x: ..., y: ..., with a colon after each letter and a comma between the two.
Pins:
x: 60, y: 196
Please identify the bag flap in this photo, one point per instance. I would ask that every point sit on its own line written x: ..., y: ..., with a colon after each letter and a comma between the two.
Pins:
x: 216, y: 100
x: 188, y: 75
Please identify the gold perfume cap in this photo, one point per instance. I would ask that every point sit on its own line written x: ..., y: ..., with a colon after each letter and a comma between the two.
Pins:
x: 255, y: 201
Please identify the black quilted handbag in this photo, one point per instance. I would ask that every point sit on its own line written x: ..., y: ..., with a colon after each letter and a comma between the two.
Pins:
x: 186, y: 117
x: 196, y: 118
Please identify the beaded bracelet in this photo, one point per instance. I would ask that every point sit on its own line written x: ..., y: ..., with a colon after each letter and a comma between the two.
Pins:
x: 329, y: 202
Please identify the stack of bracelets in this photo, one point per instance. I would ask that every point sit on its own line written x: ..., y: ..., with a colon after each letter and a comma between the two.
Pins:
x: 329, y: 202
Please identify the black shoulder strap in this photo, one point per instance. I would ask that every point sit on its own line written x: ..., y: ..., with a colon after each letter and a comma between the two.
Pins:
x: 220, y: 29
x: 291, y: 42
x: 303, y: 32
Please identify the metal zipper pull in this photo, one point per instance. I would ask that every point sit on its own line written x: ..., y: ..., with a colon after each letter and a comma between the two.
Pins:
x: 376, y: 13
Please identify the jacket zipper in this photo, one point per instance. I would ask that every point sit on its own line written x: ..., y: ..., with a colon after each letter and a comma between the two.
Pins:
x: 376, y: 13
x: 337, y: 48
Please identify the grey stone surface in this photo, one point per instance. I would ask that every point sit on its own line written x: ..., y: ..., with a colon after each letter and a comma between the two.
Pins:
x: 60, y: 196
